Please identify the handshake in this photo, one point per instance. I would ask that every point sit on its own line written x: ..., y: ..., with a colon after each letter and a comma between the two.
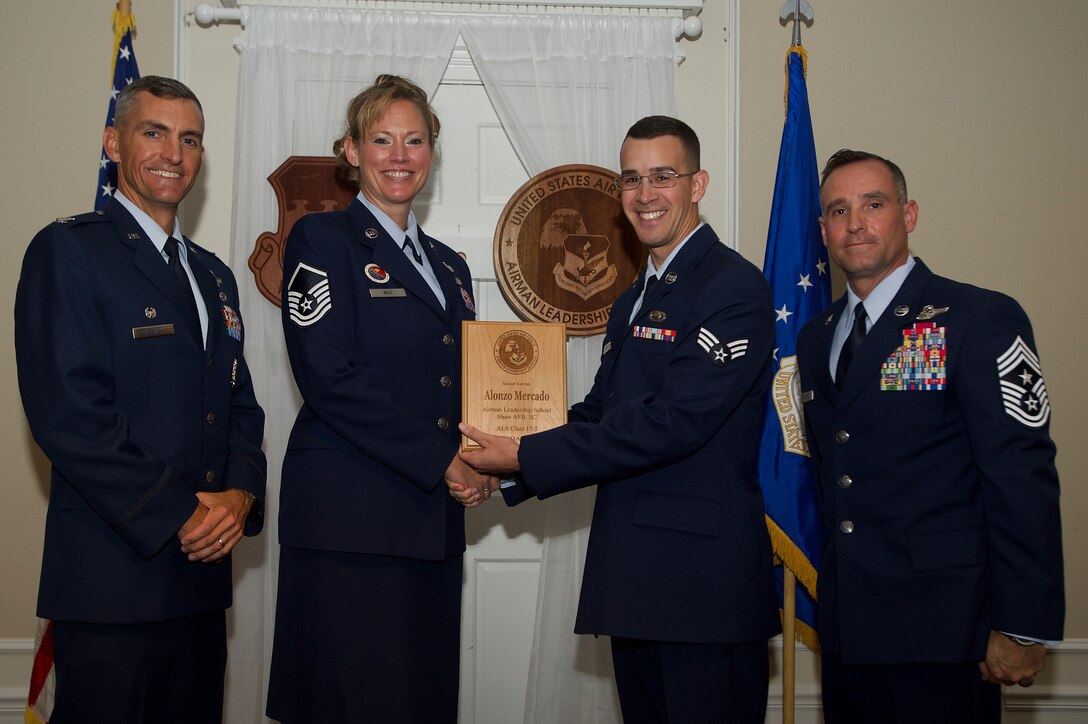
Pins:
x: 473, y: 475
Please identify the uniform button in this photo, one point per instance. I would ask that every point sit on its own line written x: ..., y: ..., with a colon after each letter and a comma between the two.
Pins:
x: 445, y: 381
x: 842, y: 436
x: 447, y: 339
x: 847, y: 526
x: 210, y: 362
x: 443, y: 423
x: 845, y: 481
x: 210, y: 418
x: 210, y: 476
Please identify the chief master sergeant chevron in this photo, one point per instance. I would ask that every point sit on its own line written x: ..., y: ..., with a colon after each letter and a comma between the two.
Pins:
x: 928, y: 419
x: 129, y: 347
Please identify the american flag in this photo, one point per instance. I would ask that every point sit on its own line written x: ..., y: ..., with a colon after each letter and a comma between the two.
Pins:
x: 124, y: 72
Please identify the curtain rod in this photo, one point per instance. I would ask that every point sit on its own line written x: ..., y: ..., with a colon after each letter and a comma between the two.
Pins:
x: 690, y: 26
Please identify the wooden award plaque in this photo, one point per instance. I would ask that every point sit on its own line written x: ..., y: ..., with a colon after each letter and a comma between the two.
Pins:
x: 514, y: 377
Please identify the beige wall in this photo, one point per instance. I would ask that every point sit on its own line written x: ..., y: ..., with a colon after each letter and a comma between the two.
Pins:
x: 983, y: 105
x: 56, y: 77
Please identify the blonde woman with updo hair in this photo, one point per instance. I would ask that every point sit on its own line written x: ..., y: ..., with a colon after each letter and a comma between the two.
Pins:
x: 372, y: 498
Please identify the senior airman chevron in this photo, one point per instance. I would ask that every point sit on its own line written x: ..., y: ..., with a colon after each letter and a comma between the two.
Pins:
x: 721, y: 354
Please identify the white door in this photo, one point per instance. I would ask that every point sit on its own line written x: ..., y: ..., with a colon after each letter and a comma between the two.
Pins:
x: 476, y: 172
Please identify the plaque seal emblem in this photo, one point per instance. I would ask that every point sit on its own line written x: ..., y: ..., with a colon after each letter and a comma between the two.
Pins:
x: 563, y: 249
x: 516, y: 352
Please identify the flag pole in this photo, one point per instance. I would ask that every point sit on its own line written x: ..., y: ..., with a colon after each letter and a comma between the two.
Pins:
x: 789, y: 650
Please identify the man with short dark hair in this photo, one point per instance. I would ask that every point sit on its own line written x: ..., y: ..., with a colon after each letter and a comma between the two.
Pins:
x: 129, y: 347
x: 679, y: 568
x: 928, y: 419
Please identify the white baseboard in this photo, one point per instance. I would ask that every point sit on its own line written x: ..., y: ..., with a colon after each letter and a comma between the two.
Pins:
x: 1054, y: 702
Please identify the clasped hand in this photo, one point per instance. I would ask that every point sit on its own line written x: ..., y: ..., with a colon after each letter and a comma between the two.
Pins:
x: 473, y: 474
x: 216, y: 526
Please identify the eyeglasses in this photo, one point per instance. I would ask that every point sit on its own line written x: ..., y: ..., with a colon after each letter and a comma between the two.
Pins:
x: 658, y: 180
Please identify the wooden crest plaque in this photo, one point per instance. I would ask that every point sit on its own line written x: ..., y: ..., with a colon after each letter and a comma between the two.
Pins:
x: 303, y: 184
x: 563, y: 249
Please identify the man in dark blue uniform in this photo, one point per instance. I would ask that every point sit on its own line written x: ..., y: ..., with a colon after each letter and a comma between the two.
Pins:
x: 678, y: 570
x: 941, y: 575
x: 129, y: 346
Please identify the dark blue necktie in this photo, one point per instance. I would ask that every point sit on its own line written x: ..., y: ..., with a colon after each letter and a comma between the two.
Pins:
x: 186, y: 288
x: 850, y: 346
x: 409, y: 246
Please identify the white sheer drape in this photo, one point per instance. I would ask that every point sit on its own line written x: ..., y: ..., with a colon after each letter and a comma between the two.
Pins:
x: 299, y: 68
x: 566, y: 89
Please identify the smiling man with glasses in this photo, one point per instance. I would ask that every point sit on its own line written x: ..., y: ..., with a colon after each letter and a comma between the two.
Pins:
x: 678, y: 570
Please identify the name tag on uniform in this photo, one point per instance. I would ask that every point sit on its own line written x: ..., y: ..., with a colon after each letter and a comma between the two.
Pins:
x: 385, y: 293
x: 158, y: 330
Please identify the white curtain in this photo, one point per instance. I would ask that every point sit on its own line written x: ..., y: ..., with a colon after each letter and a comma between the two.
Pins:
x: 299, y: 68
x: 567, y: 88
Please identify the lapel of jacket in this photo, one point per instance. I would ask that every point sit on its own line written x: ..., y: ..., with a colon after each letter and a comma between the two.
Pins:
x: 390, y: 256
x: 618, y: 322
x: 886, y: 334
x: 209, y: 291
x: 446, y: 277
x: 150, y: 262
x: 821, y: 372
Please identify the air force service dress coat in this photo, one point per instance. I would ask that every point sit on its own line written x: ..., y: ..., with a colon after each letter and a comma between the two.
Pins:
x: 135, y: 416
x: 937, y: 481
x: 378, y: 362
x: 678, y: 548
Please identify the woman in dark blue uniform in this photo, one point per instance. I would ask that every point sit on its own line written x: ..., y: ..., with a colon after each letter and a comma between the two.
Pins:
x: 371, y: 543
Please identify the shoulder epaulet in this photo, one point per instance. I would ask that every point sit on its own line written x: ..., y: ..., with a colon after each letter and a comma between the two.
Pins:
x: 89, y: 217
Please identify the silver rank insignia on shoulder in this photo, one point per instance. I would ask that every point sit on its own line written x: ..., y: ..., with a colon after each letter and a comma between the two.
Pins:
x: 150, y: 313
x: 64, y: 219
x: 721, y: 354
x: 902, y: 311
x: 929, y: 312
x: 309, y: 297
x: 670, y: 278
x: 1023, y: 391
x: 657, y: 316
x: 134, y: 236
x: 457, y: 281
x: 222, y: 296
x: 371, y: 233
x: 431, y: 244
x: 448, y: 266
